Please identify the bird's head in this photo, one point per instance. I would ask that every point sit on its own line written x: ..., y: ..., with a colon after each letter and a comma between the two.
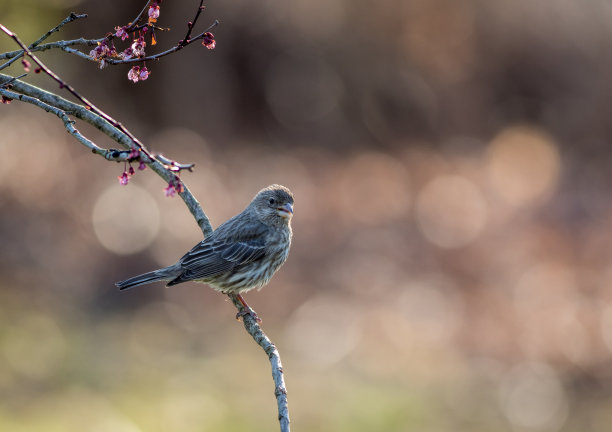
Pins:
x: 274, y: 204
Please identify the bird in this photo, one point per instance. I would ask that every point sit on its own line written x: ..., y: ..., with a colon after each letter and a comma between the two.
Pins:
x: 243, y: 253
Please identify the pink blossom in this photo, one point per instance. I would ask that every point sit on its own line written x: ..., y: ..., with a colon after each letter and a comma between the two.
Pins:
x: 144, y: 73
x: 153, y: 12
x: 208, y: 40
x: 26, y: 65
x: 142, y: 166
x: 134, y: 74
x: 102, y: 50
x: 126, y: 54
x: 169, y: 190
x: 121, y: 33
x: 131, y: 170
x: 124, y: 178
x: 138, y: 47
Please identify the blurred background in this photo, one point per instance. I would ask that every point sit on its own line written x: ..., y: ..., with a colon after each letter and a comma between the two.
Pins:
x: 452, y: 234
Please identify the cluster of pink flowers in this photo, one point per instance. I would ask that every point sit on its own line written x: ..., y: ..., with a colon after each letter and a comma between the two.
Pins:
x: 136, y: 50
x: 138, y: 47
x: 121, y: 32
x: 128, y: 170
x: 138, y: 73
x: 101, y: 52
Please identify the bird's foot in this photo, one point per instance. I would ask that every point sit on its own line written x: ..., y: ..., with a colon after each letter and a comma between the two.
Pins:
x: 248, y: 311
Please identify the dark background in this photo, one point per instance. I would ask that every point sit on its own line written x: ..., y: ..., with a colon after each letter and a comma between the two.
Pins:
x: 451, y: 259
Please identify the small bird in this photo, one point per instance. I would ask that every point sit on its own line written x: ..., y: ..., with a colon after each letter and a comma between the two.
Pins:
x: 241, y: 254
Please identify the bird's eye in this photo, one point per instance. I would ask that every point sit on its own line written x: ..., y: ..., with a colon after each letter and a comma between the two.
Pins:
x: 271, y: 201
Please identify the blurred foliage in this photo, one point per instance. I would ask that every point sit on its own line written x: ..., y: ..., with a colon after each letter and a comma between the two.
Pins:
x: 451, y: 260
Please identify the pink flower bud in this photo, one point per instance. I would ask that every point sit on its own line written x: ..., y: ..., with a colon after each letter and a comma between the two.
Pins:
x: 153, y: 12
x: 124, y: 179
x: 208, y: 40
x: 121, y: 33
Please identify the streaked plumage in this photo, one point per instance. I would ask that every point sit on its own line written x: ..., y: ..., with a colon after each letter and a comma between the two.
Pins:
x: 241, y: 254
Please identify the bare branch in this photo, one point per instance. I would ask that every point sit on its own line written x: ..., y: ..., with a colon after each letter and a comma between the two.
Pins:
x: 15, y: 55
x: 135, y: 21
x: 72, y: 17
x: 280, y: 390
x: 52, y: 45
x: 173, y: 165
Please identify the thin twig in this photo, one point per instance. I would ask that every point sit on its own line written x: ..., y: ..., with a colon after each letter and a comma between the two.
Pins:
x: 11, y: 81
x: 192, y: 23
x: 174, y: 49
x: 72, y: 17
x: 173, y: 165
x: 135, y: 21
x: 19, y: 53
x: 76, y: 52
x: 52, y: 45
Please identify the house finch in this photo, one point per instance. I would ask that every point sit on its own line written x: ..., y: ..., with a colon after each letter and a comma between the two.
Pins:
x: 241, y: 254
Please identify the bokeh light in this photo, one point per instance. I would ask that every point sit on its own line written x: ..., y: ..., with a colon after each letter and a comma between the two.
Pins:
x: 451, y: 211
x: 323, y: 315
x: 125, y: 220
x: 372, y: 188
x: 532, y: 397
x: 523, y: 165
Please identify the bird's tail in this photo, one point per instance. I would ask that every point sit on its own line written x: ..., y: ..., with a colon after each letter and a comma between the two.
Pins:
x: 164, y: 274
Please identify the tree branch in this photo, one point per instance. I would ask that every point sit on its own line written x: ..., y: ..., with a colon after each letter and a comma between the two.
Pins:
x: 280, y: 390
x: 12, y: 88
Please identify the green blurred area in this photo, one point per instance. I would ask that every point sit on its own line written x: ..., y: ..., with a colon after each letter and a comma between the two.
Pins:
x: 450, y: 269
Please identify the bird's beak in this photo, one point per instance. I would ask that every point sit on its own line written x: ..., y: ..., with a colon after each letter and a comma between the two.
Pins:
x: 285, y: 210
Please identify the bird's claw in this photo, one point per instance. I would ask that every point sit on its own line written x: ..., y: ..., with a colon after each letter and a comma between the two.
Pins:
x: 248, y: 311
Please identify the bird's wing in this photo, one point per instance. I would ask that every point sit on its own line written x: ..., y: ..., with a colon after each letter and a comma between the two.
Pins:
x: 220, y: 254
